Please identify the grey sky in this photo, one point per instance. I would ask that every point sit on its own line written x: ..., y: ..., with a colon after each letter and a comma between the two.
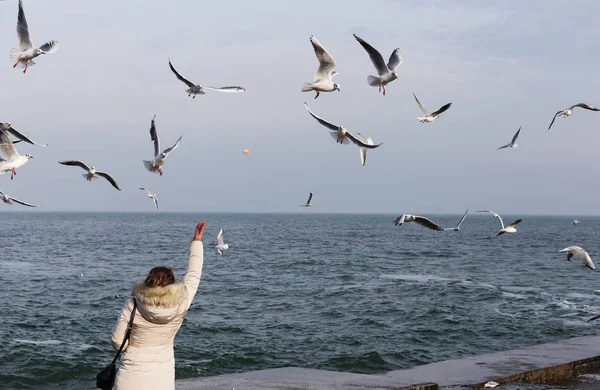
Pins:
x: 503, y: 66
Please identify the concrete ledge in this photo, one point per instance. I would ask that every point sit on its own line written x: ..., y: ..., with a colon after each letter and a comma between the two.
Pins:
x: 539, y: 364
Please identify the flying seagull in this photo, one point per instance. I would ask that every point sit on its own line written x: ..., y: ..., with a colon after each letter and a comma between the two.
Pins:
x: 151, y: 196
x: 6, y: 126
x: 24, y: 55
x: 457, y: 228
x: 581, y: 254
x: 9, y: 200
x: 434, y: 115
x: 569, y: 111
x: 196, y: 89
x: 340, y: 134
x: 509, y: 229
x: 221, y: 246
x: 512, y: 143
x: 363, y: 150
x: 575, y: 222
x: 323, y: 79
x: 417, y: 219
x: 159, y: 157
x: 308, y: 202
x: 91, y: 172
x: 10, y: 159
x: 387, y: 72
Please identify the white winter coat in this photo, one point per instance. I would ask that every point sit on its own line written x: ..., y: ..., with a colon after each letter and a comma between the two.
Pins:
x: 148, y: 361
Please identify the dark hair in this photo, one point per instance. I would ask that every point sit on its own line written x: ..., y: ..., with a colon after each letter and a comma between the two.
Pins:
x: 160, y: 277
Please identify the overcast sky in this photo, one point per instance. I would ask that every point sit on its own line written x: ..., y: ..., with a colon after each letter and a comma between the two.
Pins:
x: 512, y: 64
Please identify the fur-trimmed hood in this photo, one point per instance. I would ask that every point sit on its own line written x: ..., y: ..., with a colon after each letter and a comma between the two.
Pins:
x: 160, y: 304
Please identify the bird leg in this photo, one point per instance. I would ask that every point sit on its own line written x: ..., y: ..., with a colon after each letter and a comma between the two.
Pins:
x: 317, y: 94
x: 384, y: 90
x: 194, y: 97
x: 25, y: 70
x: 379, y: 87
x: 160, y: 171
x: 13, y: 173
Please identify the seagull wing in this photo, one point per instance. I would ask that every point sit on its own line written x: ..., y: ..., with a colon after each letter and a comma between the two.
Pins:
x: 515, y: 137
x: 23, y: 30
x: 376, y: 57
x: 109, y: 178
x: 363, y: 151
x: 586, y: 106
x: 49, y: 47
x: 155, y: 199
x: 427, y: 223
x: 75, y: 163
x: 553, y: 119
x: 505, y: 146
x: 309, y: 198
x: 421, y: 106
x: 220, y: 238
x: 169, y: 150
x: 154, y: 137
x: 7, y: 149
x: 326, y: 62
x: 230, y: 89
x: 322, y: 121
x: 180, y: 77
x: 442, y: 109
x: 495, y: 215
x: 23, y: 203
x: 399, y: 220
x: 360, y: 143
x: 395, y: 60
x: 149, y: 193
x: 22, y: 137
x: 463, y: 218
x: 518, y: 221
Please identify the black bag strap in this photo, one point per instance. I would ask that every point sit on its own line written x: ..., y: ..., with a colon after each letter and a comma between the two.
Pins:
x: 127, y: 333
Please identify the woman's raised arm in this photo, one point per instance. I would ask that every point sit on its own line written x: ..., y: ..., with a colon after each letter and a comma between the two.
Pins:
x: 195, y: 262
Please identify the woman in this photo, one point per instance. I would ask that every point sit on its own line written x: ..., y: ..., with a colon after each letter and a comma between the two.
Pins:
x: 148, y: 361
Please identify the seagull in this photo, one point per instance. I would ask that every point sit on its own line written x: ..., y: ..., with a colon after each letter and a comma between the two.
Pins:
x: 509, y: 229
x: 308, y: 202
x: 91, y: 172
x: 221, y: 246
x: 387, y: 72
x: 457, y: 228
x: 159, y: 158
x: 363, y: 150
x: 9, y: 200
x: 151, y: 196
x: 581, y: 254
x: 417, y: 219
x: 6, y: 126
x: 323, y: 79
x: 196, y: 89
x: 26, y: 52
x: 340, y: 134
x: 10, y: 159
x: 576, y: 222
x: 512, y: 143
x: 569, y: 111
x: 434, y: 115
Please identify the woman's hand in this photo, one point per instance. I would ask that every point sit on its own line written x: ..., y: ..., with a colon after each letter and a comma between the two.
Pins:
x: 199, y: 231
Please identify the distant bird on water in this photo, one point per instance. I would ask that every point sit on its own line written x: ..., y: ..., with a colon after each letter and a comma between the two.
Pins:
x: 197, y: 89
x: 9, y: 200
x: 151, y: 196
x: 10, y: 159
x: 581, y: 254
x: 92, y: 173
x: 434, y: 115
x: 339, y: 133
x: 308, y: 202
x: 24, y: 55
x: 159, y: 157
x: 509, y: 229
x: 576, y: 222
x: 512, y: 143
x: 457, y: 228
x: 569, y: 111
x: 387, y: 72
x: 323, y: 79
x: 418, y: 220
x: 221, y: 245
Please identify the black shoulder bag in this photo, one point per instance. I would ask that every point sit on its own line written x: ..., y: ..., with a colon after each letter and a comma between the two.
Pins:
x: 106, y: 378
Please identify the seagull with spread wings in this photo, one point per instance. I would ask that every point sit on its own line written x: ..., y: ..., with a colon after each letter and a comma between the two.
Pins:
x: 363, y: 150
x: 386, y: 72
x: 159, y: 157
x: 197, y: 89
x: 91, y: 172
x: 457, y: 228
x: 339, y: 133
x: 308, y: 202
x: 10, y: 159
x: 509, y: 229
x: 6, y: 126
x: 581, y: 254
x: 513, y: 143
x: 221, y: 245
x: 9, y: 200
x: 434, y: 115
x: 24, y: 55
x: 569, y: 111
x: 425, y: 222
x: 151, y: 196
x: 323, y: 79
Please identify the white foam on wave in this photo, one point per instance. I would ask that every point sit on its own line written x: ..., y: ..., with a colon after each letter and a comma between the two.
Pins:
x: 511, y: 295
x: 415, y: 277
x: 41, y: 342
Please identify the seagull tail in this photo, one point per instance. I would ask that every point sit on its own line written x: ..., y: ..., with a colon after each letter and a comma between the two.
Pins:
x: 15, y: 57
x: 306, y: 87
x: 421, y: 118
x: 373, y: 81
x: 148, y: 165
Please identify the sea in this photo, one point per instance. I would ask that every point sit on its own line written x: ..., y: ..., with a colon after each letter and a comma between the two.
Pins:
x: 329, y: 291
